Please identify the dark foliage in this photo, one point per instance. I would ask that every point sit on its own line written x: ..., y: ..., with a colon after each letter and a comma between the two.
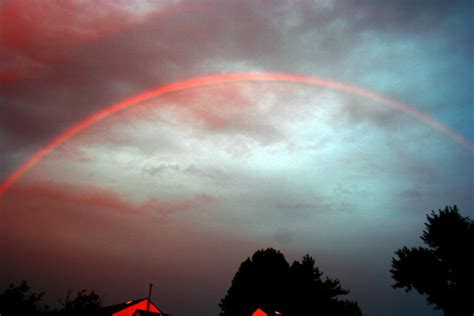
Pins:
x: 18, y: 300
x: 258, y: 283
x: 268, y: 282
x: 443, y: 271
x: 85, y: 303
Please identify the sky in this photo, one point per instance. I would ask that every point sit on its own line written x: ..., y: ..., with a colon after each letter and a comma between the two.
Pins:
x: 178, y: 190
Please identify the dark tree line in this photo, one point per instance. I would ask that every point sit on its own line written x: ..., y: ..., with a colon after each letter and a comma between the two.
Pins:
x: 443, y: 272
x: 19, y: 300
x: 268, y: 282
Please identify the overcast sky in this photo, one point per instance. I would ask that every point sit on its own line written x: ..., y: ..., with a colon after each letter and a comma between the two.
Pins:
x: 180, y: 189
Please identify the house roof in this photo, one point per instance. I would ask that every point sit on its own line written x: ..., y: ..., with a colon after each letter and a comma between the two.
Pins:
x: 259, y: 312
x: 109, y: 310
x: 127, y: 308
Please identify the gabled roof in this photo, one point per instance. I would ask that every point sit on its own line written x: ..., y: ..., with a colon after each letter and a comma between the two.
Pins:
x: 128, y: 308
x: 259, y: 312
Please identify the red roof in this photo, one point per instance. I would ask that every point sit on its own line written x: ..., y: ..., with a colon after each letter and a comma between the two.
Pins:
x: 259, y: 312
x: 129, y: 308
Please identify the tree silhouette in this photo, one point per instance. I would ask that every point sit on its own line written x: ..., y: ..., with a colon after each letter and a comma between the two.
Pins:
x: 311, y: 295
x: 268, y: 282
x: 259, y: 283
x: 85, y: 303
x: 19, y: 300
x: 444, y: 270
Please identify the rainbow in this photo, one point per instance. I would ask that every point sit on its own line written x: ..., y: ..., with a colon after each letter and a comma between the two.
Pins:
x: 218, y: 79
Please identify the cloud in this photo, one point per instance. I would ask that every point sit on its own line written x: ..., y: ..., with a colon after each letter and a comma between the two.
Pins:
x: 399, y: 16
x: 104, y: 200
x: 411, y: 194
x: 49, y: 33
x: 83, y: 68
x: 78, y: 69
x: 154, y: 171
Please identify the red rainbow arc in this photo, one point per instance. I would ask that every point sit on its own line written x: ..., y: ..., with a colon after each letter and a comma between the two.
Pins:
x: 217, y: 79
